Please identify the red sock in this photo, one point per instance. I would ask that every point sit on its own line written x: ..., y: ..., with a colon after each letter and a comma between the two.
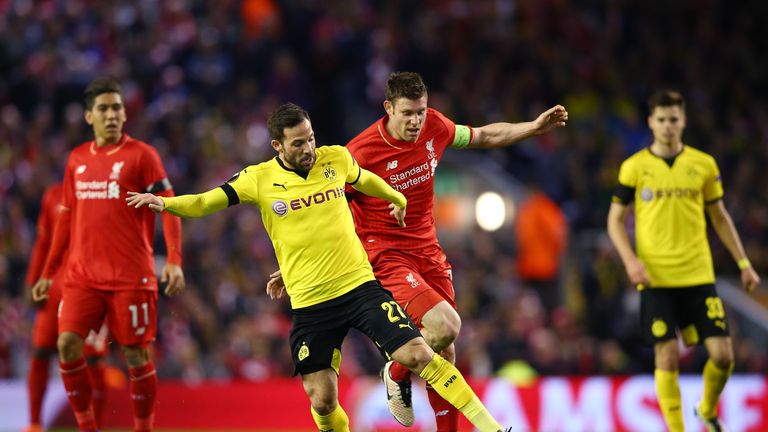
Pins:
x: 37, y: 381
x: 398, y: 372
x: 99, y: 394
x: 143, y: 392
x: 78, y: 385
x: 446, y: 415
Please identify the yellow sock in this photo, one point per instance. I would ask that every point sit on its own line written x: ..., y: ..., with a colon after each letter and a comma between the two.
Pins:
x: 336, y: 421
x: 451, y: 386
x: 668, y: 393
x: 714, y: 382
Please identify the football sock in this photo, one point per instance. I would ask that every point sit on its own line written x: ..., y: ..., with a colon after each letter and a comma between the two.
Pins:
x: 336, y: 421
x: 398, y: 372
x: 668, y: 393
x: 99, y: 391
x: 74, y: 374
x: 37, y: 381
x: 143, y: 391
x: 714, y: 381
x: 446, y: 415
x: 450, y: 384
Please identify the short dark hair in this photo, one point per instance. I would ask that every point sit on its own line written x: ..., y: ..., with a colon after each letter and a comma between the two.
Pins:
x: 286, y: 115
x: 404, y: 84
x: 97, y: 87
x: 666, y: 98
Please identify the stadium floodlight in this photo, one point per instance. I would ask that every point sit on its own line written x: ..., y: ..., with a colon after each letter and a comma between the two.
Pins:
x: 490, y: 211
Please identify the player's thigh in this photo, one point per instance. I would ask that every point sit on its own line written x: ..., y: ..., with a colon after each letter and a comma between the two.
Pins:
x: 81, y: 309
x: 658, y: 315
x: 374, y: 312
x: 132, y: 317
x: 316, y: 337
x: 702, y: 314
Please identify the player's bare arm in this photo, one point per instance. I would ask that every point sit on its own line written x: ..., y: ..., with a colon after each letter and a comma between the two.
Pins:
x: 504, y: 134
x: 276, y: 286
x: 726, y: 230
x: 636, y: 271
x: 138, y: 200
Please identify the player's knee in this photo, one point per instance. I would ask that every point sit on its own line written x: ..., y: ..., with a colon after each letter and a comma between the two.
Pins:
x: 723, y: 359
x: 135, y: 356
x: 445, y: 334
x: 414, y: 355
x: 70, y: 346
x: 323, y: 401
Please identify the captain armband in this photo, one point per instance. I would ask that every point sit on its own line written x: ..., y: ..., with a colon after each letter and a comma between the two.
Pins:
x: 462, y: 138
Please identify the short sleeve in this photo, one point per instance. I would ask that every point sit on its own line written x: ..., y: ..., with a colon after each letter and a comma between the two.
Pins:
x: 450, y: 128
x: 624, y: 192
x: 713, y: 185
x: 352, y: 168
x: 244, y: 185
x: 628, y: 174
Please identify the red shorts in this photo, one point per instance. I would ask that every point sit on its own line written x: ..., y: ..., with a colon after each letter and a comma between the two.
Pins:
x: 131, y: 315
x: 97, y: 342
x: 418, y: 279
x: 45, y: 330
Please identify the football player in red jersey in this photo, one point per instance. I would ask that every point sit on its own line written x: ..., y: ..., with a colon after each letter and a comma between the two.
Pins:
x: 44, y: 331
x: 110, y: 272
x: 404, y: 148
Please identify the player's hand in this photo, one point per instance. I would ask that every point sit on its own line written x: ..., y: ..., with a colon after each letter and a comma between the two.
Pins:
x: 40, y: 289
x: 637, y: 273
x: 398, y: 213
x: 35, y: 303
x: 552, y: 118
x: 276, y: 286
x: 175, y: 277
x: 138, y: 200
x: 749, y: 279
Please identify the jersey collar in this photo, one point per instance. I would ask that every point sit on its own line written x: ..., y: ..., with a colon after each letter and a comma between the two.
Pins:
x: 668, y: 160
x: 110, y: 149
x: 298, y: 173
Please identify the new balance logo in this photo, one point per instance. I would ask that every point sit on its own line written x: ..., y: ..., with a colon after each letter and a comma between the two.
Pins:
x: 80, y: 169
x: 441, y: 413
x: 450, y: 381
x: 391, y: 165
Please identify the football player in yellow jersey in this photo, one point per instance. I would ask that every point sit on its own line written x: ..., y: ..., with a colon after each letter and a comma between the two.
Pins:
x: 671, y: 185
x: 325, y: 270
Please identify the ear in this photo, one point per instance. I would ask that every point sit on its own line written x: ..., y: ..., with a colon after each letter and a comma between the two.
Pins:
x: 88, y: 117
x: 276, y: 145
x: 389, y: 108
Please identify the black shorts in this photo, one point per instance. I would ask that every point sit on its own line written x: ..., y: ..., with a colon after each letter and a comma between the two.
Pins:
x: 695, y: 312
x: 319, y: 330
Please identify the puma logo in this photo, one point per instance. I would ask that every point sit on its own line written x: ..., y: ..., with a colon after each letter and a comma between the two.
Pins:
x: 280, y: 185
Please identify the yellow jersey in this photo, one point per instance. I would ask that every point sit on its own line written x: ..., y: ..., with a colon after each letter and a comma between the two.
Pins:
x: 670, y: 196
x: 309, y: 223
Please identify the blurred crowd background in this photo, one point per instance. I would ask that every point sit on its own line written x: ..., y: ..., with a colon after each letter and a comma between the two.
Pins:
x: 201, y: 76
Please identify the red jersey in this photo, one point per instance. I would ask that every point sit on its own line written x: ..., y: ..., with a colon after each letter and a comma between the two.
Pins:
x: 49, y: 208
x: 110, y: 243
x: 409, y: 167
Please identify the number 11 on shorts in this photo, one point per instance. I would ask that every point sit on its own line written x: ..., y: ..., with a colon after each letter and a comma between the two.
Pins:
x: 135, y: 317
